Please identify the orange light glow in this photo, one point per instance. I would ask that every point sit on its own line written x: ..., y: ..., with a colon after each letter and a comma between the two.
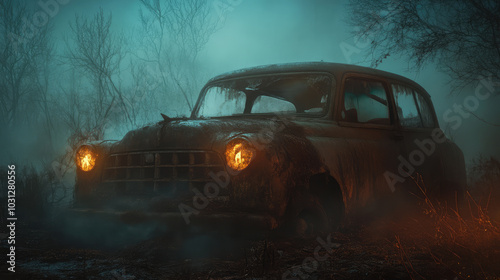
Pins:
x: 85, y: 158
x: 239, y: 154
x: 237, y: 158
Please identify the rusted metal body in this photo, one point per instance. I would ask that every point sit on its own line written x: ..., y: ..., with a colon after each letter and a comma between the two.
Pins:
x: 324, y: 164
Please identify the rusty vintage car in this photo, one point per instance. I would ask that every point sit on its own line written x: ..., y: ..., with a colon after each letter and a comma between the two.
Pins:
x: 293, y: 146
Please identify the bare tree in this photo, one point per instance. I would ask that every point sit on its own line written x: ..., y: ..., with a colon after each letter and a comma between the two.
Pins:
x: 78, y: 110
x: 175, y: 31
x: 97, y: 52
x: 24, y: 48
x: 462, y: 37
x: 44, y: 99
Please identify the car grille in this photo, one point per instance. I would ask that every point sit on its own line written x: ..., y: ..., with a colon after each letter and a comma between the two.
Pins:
x: 161, y: 171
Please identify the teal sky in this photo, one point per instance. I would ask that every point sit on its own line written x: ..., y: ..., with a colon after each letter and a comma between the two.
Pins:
x: 258, y: 32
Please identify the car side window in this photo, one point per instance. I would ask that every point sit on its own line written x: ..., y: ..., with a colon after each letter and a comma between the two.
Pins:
x: 406, y: 106
x: 425, y: 111
x: 413, y: 110
x: 365, y: 101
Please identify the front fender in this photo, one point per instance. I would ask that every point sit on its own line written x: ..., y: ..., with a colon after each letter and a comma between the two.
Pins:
x: 279, y: 173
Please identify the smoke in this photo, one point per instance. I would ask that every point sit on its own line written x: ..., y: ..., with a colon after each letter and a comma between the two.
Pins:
x: 101, y: 231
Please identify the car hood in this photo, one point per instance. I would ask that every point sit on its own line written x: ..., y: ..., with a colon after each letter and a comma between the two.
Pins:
x: 199, y: 134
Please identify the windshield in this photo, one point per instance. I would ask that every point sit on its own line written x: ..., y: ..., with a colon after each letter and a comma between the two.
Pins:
x: 305, y: 94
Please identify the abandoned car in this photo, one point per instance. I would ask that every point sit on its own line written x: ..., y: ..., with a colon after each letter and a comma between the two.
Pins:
x: 295, y: 146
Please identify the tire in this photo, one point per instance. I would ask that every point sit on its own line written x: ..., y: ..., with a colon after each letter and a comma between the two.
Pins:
x: 318, y: 216
x: 319, y: 209
x: 311, y: 220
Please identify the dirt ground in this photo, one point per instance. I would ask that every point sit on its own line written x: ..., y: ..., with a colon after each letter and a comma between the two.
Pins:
x: 395, y: 247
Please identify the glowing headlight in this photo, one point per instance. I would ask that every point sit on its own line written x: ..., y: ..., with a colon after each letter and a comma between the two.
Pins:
x: 239, y: 154
x: 85, y: 158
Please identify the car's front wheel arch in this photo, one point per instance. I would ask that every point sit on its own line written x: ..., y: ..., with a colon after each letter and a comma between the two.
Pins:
x: 319, y: 208
x: 329, y: 193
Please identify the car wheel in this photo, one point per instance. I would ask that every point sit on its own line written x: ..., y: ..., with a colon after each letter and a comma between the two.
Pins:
x: 311, y: 220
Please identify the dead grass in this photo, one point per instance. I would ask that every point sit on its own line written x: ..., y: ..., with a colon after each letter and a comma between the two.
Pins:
x: 464, y: 239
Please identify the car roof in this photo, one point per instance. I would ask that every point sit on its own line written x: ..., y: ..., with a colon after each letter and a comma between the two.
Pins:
x: 334, y: 68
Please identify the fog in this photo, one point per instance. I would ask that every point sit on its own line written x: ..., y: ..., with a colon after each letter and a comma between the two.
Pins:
x: 247, y: 33
x: 80, y: 71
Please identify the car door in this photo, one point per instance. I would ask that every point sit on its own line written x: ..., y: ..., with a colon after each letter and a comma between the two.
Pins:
x: 420, y: 167
x: 371, y: 143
